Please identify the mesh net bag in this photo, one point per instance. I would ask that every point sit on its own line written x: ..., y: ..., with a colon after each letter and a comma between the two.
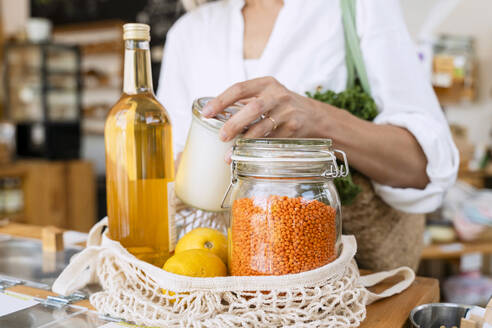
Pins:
x: 331, y: 296
x: 188, y: 218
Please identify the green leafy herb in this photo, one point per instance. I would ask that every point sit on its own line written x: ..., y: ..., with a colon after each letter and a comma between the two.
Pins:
x: 347, y: 189
x: 354, y: 100
x: 360, y: 104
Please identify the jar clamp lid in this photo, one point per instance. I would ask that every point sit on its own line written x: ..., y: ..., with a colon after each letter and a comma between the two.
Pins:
x: 312, y: 157
x: 285, y: 158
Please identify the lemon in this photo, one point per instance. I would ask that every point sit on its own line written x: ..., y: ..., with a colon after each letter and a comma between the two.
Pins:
x: 206, y: 239
x: 194, y: 263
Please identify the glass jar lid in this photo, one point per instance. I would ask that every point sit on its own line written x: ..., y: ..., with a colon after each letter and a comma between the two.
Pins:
x: 283, y: 150
x: 275, y: 157
x: 218, y: 121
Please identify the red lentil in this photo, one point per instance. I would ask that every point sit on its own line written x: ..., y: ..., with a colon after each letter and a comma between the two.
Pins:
x: 281, y: 235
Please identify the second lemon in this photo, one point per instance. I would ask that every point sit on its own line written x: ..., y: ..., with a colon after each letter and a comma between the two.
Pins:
x: 204, y: 238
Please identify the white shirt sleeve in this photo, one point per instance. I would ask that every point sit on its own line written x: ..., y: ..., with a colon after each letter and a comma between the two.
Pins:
x: 172, y: 91
x: 405, y: 98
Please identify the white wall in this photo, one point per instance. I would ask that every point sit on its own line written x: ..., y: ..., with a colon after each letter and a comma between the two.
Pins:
x: 470, y: 17
x: 14, y: 15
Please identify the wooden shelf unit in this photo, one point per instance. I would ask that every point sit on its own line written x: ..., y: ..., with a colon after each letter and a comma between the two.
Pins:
x: 58, y: 193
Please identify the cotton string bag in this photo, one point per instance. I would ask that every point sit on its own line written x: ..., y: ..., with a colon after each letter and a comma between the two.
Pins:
x: 331, y: 296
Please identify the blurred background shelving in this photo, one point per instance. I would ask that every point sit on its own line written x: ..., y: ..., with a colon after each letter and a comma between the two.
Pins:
x: 42, y: 98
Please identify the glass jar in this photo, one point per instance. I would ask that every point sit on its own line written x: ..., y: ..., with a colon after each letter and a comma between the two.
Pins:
x: 7, y: 142
x: 285, y: 209
x: 454, y: 74
x: 13, y: 195
x: 203, y: 175
x: 454, y: 55
x: 2, y: 197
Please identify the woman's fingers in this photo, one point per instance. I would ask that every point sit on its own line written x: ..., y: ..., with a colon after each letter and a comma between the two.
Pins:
x: 262, y: 129
x: 282, y: 132
x: 246, y: 100
x: 273, y: 119
x: 249, y: 113
x: 238, y: 91
x: 286, y: 130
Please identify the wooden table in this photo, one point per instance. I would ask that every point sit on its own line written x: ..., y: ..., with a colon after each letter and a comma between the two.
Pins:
x: 389, y: 313
x: 394, y: 311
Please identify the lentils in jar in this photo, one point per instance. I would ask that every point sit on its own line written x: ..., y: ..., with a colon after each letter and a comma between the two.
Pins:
x: 281, y: 235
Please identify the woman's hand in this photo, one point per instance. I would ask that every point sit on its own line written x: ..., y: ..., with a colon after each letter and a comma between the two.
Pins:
x: 387, y: 154
x: 284, y: 113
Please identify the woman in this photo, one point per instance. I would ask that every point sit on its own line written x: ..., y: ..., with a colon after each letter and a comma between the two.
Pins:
x: 270, y: 52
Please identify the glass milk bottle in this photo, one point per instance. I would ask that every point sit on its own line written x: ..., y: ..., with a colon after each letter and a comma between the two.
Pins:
x: 139, y: 159
x: 203, y: 176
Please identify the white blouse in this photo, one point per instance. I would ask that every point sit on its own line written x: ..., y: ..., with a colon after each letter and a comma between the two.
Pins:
x: 250, y: 68
x: 204, y: 56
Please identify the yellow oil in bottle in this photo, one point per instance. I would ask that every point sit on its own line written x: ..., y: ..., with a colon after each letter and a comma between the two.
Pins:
x: 139, y: 164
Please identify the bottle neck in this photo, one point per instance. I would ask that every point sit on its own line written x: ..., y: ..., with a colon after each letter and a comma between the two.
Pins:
x: 137, y: 71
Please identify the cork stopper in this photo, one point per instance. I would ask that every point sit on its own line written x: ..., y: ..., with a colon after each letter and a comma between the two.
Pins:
x: 135, y: 31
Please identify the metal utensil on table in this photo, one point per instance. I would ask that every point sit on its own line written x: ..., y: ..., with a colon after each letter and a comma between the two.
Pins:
x: 44, y: 315
x: 55, y: 312
x: 437, y: 315
x: 23, y: 259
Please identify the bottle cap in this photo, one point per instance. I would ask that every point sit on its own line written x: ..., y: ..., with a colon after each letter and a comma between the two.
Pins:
x: 135, y: 31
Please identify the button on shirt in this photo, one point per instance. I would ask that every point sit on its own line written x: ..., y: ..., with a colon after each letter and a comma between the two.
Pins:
x: 203, y: 56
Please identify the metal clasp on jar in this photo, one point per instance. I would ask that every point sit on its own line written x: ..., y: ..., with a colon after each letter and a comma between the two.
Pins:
x: 336, y: 171
x: 233, y: 182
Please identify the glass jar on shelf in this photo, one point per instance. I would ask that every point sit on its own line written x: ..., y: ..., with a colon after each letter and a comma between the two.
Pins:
x: 7, y: 142
x: 43, y: 88
x: 285, y: 209
x: 454, y: 69
x: 2, y: 197
x: 14, y: 195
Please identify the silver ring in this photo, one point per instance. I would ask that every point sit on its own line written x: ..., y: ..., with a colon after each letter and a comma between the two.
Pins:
x: 274, y: 122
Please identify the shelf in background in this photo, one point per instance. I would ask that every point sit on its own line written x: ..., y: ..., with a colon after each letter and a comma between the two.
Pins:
x: 58, y: 193
x: 455, y: 250
x: 13, y: 217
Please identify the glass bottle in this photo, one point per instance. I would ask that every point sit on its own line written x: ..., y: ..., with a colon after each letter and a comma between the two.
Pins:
x: 139, y: 159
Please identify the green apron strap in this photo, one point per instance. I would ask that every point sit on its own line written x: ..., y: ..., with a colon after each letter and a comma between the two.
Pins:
x: 353, y: 56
